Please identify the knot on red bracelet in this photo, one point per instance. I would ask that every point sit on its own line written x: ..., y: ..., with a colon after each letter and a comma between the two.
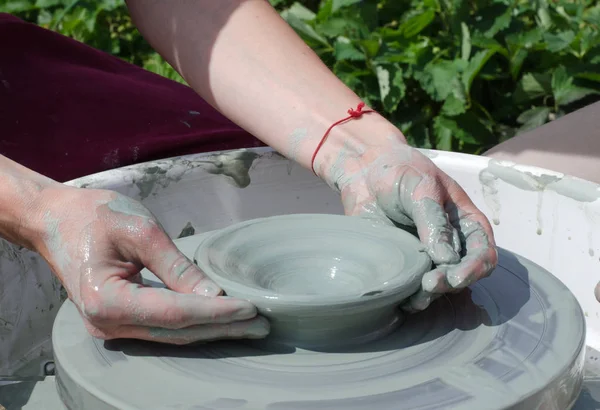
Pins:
x: 352, y: 114
x: 358, y: 112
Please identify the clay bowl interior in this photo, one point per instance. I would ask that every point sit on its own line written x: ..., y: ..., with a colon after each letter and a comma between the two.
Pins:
x: 319, y: 279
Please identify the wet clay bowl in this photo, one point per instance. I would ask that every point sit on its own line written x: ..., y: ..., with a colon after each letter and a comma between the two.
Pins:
x: 321, y: 280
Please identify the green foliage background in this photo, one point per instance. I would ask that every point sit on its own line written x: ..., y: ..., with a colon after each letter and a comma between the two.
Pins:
x: 457, y: 75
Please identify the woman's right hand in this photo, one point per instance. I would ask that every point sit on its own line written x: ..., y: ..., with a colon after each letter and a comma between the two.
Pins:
x: 98, y: 241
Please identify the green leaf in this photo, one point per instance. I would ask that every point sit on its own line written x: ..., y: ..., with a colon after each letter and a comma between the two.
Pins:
x: 528, y: 39
x: 532, y: 86
x: 417, y: 23
x: 418, y: 136
x: 338, y: 27
x: 300, y: 11
x: 391, y: 86
x: 17, y: 6
x: 587, y: 39
x: 587, y: 75
x: 516, y: 62
x: 336, y: 5
x: 475, y: 65
x: 442, y: 129
x: 325, y: 12
x: 437, y: 78
x: 592, y: 15
x: 303, y: 29
x: 370, y: 47
x: 457, y: 101
x: 44, y: 4
x: 453, y: 106
x: 565, y: 92
x: 560, y: 41
x: 466, y: 42
x: 369, y: 14
x: 345, y: 50
x: 533, y: 118
x: 467, y: 129
x: 501, y: 22
x: 543, y: 16
x: 478, y: 40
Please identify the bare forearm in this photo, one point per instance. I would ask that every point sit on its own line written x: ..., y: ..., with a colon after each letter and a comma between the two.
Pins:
x: 248, y: 63
x: 19, y: 190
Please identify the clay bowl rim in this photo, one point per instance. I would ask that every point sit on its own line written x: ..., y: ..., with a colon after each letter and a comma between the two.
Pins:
x: 265, y: 298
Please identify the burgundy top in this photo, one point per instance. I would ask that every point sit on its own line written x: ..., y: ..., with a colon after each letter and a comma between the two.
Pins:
x: 68, y: 110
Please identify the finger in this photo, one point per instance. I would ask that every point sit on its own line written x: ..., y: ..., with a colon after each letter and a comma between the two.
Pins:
x: 476, y: 265
x: 481, y: 255
x: 436, y: 231
x: 466, y: 210
x: 419, y: 301
x: 137, y: 305
x: 436, y: 281
x: 597, y: 292
x: 256, y: 328
x: 175, y: 269
x: 420, y: 197
x: 456, y: 240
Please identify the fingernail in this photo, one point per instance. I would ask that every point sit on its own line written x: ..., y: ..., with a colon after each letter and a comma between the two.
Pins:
x: 443, y: 253
x: 259, y: 328
x: 457, y: 279
x: 434, y: 281
x: 207, y: 288
x: 420, y: 301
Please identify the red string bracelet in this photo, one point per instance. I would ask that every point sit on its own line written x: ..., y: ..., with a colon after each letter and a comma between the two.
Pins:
x: 352, y: 114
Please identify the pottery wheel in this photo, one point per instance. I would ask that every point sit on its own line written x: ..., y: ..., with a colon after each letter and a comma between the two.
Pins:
x: 513, y: 340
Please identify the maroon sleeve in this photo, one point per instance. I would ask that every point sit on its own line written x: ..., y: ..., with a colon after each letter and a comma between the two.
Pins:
x: 68, y: 110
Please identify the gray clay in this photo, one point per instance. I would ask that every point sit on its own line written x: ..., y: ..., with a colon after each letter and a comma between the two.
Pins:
x: 321, y: 280
x: 514, y: 340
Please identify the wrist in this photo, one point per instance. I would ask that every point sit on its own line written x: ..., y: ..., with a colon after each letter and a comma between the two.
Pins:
x: 22, y: 210
x: 353, y: 145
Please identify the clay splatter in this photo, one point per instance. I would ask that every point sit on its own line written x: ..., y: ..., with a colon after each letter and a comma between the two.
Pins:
x: 234, y: 165
x: 146, y: 184
x: 534, y: 179
x: 54, y: 241
x: 296, y: 138
x: 490, y: 194
x: 188, y: 230
x: 111, y: 159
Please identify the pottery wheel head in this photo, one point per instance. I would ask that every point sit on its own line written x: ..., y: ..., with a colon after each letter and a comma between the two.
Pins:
x: 513, y: 340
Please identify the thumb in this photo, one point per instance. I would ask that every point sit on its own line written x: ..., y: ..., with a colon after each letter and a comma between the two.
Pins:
x: 418, y: 198
x: 357, y: 202
x: 175, y: 269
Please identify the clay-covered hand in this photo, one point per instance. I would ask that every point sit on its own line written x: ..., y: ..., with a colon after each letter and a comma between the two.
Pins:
x: 396, y: 184
x: 97, y: 242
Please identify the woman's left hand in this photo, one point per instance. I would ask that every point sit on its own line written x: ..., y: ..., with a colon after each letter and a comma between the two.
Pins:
x: 395, y: 184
